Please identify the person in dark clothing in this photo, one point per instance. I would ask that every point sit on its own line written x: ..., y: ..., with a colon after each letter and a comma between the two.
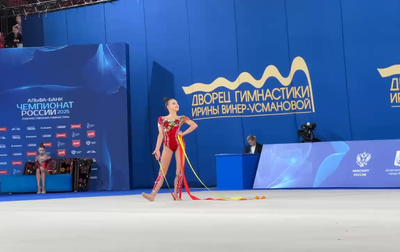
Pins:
x: 254, y: 146
x: 13, y: 38
x: 2, y: 42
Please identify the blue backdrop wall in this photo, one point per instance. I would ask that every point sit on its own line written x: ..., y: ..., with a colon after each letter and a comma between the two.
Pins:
x: 261, y: 67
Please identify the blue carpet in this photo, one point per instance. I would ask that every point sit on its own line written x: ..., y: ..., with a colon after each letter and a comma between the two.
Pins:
x: 31, y: 196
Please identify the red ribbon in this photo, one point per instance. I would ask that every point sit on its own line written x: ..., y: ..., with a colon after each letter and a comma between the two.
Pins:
x: 184, y: 177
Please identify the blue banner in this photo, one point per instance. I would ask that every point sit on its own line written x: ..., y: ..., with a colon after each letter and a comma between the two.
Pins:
x: 331, y: 164
x: 73, y: 99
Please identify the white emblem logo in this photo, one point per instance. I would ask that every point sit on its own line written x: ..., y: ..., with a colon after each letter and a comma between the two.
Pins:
x: 363, y: 158
x: 74, y: 152
x: 397, y: 159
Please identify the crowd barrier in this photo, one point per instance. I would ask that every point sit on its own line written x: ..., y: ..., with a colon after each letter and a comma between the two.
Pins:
x: 342, y: 164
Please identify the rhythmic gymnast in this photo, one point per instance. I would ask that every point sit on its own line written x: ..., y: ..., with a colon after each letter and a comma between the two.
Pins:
x: 168, y: 130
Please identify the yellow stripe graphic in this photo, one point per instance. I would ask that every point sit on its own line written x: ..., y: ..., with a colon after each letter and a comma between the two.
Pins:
x: 389, y: 71
x: 298, y: 64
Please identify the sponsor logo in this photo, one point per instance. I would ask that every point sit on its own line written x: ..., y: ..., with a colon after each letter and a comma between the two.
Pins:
x: 363, y: 158
x: 3, y: 163
x: 91, y: 133
x: 61, y: 153
x: 45, y: 128
x: 3, y: 138
x: 16, y: 137
x: 30, y: 137
x: 47, y: 144
x: 16, y: 146
x: 48, y: 135
x: 32, y: 145
x: 76, y: 143
x: 14, y: 129
x: 90, y: 143
x: 91, y: 152
x: 4, y: 155
x: 16, y: 162
x: 76, y: 126
x: 48, y: 153
x: 3, y: 172
x: 94, y: 160
x: 15, y: 171
x: 30, y: 128
x: 89, y: 125
x: 17, y: 154
x: 2, y: 146
x: 74, y: 134
x: 59, y: 144
x: 30, y: 154
x: 74, y: 152
x: 61, y: 127
x: 3, y: 129
x: 397, y: 159
x: 61, y: 135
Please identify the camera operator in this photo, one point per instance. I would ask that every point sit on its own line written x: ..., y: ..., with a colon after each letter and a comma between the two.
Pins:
x: 307, y: 133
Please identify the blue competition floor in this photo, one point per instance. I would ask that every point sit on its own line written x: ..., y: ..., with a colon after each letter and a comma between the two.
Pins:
x: 20, y: 197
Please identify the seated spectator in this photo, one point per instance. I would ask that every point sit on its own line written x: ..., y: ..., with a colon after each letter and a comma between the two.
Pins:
x: 254, y: 146
x: 13, y: 38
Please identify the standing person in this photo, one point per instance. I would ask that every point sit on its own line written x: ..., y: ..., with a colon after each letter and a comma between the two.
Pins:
x: 168, y: 131
x: 19, y: 24
x: 2, y: 41
x: 43, y: 166
x: 254, y: 146
x: 13, y: 38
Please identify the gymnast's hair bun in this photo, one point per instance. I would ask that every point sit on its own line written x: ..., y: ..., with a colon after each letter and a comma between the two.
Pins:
x: 166, y: 100
x: 42, y: 146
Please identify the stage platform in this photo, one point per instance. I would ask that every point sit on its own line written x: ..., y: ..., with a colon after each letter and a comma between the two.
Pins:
x: 288, y: 220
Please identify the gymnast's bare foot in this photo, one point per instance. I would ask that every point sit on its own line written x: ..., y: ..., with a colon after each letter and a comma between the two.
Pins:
x: 149, y: 197
x: 176, y: 196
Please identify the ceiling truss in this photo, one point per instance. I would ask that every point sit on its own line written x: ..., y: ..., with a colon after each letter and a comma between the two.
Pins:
x: 12, y: 8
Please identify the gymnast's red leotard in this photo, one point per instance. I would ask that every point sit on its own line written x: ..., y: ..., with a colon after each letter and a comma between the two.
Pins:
x: 45, y: 162
x: 171, y: 129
